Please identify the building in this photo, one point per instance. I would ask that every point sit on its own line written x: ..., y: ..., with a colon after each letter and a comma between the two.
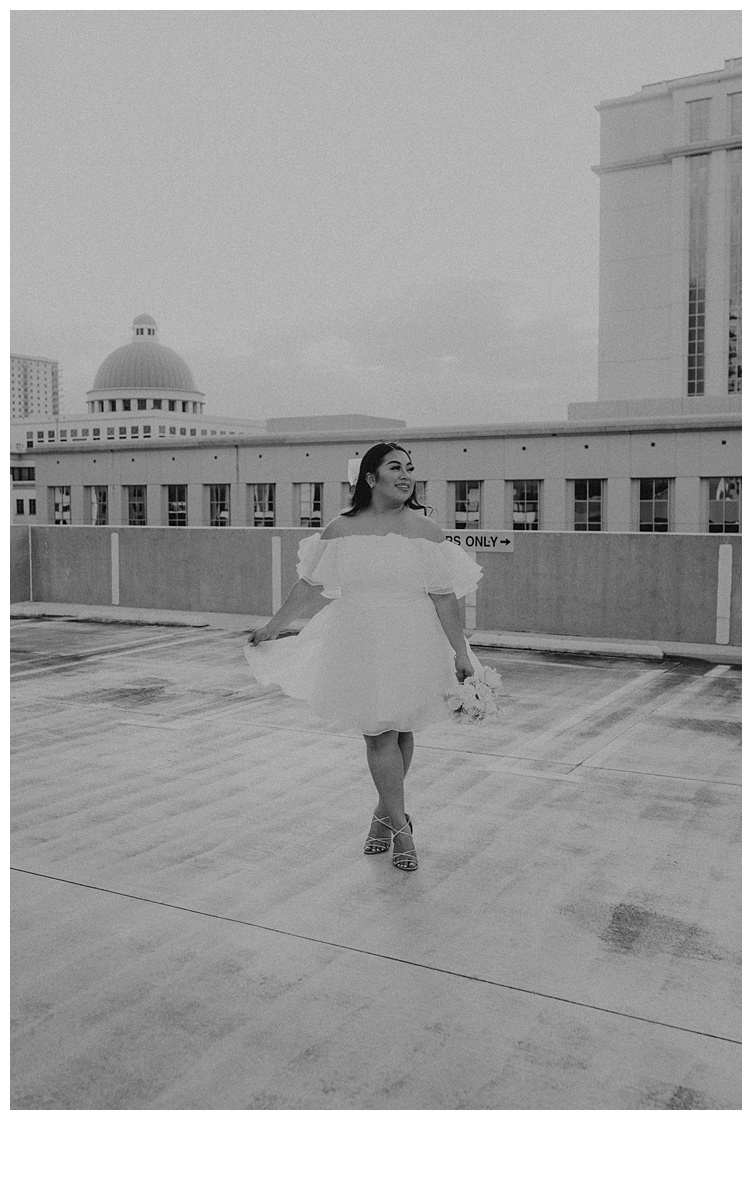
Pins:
x: 142, y: 390
x: 34, y: 388
x: 670, y: 249
x: 650, y: 475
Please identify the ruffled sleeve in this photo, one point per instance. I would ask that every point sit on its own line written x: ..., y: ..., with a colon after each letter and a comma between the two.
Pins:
x: 317, y: 564
x: 447, y: 568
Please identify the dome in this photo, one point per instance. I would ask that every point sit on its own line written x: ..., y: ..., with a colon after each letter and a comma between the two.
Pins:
x: 144, y: 364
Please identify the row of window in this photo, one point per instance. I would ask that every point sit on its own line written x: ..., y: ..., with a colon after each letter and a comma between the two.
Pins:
x: 587, y: 504
x: 122, y: 431
x: 698, y: 167
x: 698, y: 118
x: 141, y: 403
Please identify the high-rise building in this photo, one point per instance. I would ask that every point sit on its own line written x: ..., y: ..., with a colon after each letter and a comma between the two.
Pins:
x: 670, y: 249
x: 34, y: 387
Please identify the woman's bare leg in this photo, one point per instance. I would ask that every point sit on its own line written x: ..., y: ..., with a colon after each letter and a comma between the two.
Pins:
x: 387, y: 767
x: 407, y: 745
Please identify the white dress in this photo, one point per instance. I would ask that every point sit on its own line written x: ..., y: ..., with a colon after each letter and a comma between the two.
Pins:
x: 377, y: 658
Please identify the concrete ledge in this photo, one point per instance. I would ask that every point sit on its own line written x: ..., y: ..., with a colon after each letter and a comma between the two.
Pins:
x: 480, y: 639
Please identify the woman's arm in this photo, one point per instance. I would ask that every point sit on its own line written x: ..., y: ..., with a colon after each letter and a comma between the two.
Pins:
x: 302, y: 597
x: 448, y: 612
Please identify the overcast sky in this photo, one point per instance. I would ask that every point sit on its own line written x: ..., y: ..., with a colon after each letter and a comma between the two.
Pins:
x: 389, y: 212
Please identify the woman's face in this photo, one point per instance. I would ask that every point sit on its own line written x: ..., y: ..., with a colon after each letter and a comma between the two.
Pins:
x: 394, y: 480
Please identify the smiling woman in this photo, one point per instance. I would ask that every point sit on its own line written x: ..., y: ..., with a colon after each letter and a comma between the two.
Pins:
x: 378, y: 659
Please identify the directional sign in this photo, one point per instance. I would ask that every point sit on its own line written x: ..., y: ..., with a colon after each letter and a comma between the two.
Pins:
x: 494, y: 541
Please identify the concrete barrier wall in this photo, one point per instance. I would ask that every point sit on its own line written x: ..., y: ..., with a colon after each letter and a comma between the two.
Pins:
x: 20, y: 580
x: 654, y: 587
x: 661, y: 587
x: 71, y: 564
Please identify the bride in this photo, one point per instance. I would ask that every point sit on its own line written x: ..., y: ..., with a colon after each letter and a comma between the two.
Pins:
x: 381, y: 655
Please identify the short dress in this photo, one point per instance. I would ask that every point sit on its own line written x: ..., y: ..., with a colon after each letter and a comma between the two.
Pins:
x: 377, y: 658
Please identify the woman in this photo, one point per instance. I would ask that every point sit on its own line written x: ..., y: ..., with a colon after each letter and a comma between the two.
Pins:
x: 378, y: 659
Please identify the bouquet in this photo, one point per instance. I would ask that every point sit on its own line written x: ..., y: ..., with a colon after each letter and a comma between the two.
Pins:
x: 477, y: 699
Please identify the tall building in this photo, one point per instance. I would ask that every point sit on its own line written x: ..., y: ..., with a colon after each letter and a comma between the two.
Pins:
x: 34, y: 387
x: 670, y: 249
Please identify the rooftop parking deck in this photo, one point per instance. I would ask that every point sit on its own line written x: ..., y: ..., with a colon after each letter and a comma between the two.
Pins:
x: 196, y: 927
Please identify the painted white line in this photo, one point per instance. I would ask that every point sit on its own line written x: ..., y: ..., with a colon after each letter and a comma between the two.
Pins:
x: 276, y: 574
x: 723, y: 600
x: 682, y: 694
x: 115, y: 567
x: 580, y: 715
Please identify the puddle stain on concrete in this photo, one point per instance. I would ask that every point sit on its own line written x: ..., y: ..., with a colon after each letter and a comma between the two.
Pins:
x: 635, y: 930
x: 677, y: 1097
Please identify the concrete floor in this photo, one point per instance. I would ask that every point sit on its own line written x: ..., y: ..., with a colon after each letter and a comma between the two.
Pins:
x: 196, y: 927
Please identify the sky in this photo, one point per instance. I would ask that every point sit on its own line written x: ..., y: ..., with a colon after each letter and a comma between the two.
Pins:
x: 389, y: 212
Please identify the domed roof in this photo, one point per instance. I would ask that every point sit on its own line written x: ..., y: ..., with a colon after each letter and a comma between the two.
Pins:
x: 144, y: 363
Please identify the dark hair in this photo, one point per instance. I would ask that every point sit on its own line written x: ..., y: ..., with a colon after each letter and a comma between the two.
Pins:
x: 369, y: 465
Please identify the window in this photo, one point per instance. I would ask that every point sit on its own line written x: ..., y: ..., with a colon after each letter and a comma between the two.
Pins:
x: 193, y: 433
x: 213, y: 433
x: 64, y: 435
x: 195, y: 406
x: 588, y: 505
x: 50, y: 435
x: 134, y: 431
x: 162, y: 431
x: 40, y: 435
x: 466, y: 504
x: 171, y: 405
x: 653, y: 505
x: 126, y: 406
x: 526, y: 504
x: 95, y: 434
x: 141, y: 404
x: 310, y: 501
x: 156, y: 403
x: 219, y: 504
x: 19, y: 508
x: 734, y: 114
x: 182, y: 430
x: 136, y: 498
x: 734, y: 202
x: 100, y: 405
x: 698, y: 120
x: 147, y: 430
x: 84, y: 433
x: 110, y: 431
x: 61, y: 514
x: 724, y: 505
x: 23, y: 474
x: 98, y: 504
x: 32, y: 507
x: 262, y: 499
x: 173, y: 429
x: 122, y: 431
x: 177, y: 504
x: 698, y: 246
x: 30, y: 439
x: 113, y: 405
x: 203, y: 433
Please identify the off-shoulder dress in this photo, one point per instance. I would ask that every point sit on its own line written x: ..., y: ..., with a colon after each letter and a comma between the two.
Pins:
x: 377, y: 658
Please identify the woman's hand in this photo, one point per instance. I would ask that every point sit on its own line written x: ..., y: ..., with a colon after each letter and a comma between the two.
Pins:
x: 262, y: 635
x: 463, y: 667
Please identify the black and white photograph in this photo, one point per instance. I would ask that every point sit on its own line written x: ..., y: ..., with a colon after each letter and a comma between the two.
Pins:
x: 375, y: 592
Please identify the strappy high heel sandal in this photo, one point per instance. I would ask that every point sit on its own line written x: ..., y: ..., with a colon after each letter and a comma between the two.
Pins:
x: 378, y: 845
x: 405, y: 860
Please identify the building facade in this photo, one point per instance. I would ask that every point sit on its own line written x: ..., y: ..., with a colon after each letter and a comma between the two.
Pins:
x: 658, y: 475
x: 34, y: 388
x: 670, y: 249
